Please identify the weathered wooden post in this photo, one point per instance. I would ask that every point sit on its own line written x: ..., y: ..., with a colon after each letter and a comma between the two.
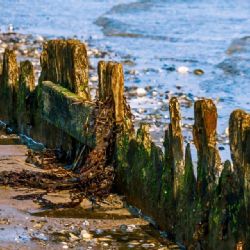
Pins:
x: 102, y: 83
x: 239, y: 135
x: 176, y: 145
x: 66, y: 63
x: 204, y: 133
x: 26, y: 85
x: 59, y: 100
x: 111, y: 85
x: 189, y: 186
x: 186, y: 219
x: 9, y: 81
x: 110, y: 114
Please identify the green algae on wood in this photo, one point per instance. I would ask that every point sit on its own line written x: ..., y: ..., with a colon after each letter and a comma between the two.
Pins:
x: 226, y: 226
x: 176, y: 142
x: 68, y: 112
x: 26, y: 85
x: 9, y: 82
x: 189, y: 185
x: 239, y: 135
x: 141, y: 162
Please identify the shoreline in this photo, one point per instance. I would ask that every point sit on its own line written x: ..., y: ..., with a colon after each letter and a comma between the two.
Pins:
x: 147, y: 103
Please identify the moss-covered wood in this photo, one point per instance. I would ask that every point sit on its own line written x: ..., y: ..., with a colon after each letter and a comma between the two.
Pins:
x: 8, y: 86
x: 176, y: 146
x: 68, y: 111
x: 26, y: 85
x: 239, y: 135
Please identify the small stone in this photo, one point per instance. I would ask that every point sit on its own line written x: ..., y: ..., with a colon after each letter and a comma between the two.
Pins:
x: 198, y: 72
x: 38, y: 226
x: 154, y: 93
x: 227, y: 131
x: 141, y: 110
x: 134, y: 243
x: 73, y: 237
x: 98, y: 231
x: 93, y: 78
x: 182, y: 70
x: 131, y: 228
x: 85, y: 223
x: 85, y: 235
x: 104, y: 239
x: 148, y: 245
x: 141, y: 92
x: 10, y: 28
x: 39, y: 39
x: 123, y: 228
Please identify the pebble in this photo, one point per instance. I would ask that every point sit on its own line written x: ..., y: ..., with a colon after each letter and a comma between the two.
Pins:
x: 182, y: 70
x: 85, y: 235
x: 131, y: 228
x: 93, y: 78
x: 227, y: 131
x: 154, y: 93
x: 123, y: 228
x: 38, y: 226
x: 128, y: 63
x: 85, y: 223
x: 104, y: 239
x: 133, y: 72
x: 98, y: 231
x: 73, y: 237
x: 221, y: 148
x: 4, y: 45
x: 39, y: 38
x: 10, y: 28
x: 148, y: 245
x: 141, y: 110
x: 130, y: 246
x: 198, y: 72
x: 134, y: 243
x: 140, y: 92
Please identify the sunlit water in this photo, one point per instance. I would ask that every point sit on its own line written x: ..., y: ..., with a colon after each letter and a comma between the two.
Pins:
x: 158, y: 36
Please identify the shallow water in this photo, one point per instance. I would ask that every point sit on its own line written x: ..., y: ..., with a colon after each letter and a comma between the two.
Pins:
x: 79, y: 212
x: 158, y: 37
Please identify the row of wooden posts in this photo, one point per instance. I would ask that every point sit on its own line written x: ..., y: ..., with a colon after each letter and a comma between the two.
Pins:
x: 211, y: 211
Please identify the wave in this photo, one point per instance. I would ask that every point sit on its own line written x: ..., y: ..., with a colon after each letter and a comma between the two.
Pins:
x: 114, y: 27
x: 239, y: 45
